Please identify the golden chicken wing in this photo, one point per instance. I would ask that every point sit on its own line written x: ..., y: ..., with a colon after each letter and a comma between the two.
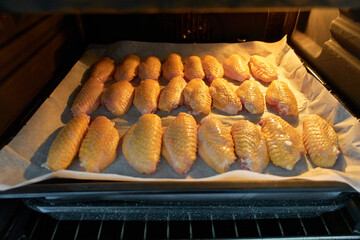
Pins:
x: 173, y: 67
x: 193, y: 68
x: 262, y: 69
x: 180, y: 143
x: 224, y: 96
x: 128, y: 69
x: 281, y: 98
x: 171, y: 96
x: 284, y: 142
x: 103, y: 69
x: 88, y: 99
x: 67, y: 143
x: 142, y: 144
x: 250, y: 146
x: 98, y: 149
x: 236, y: 68
x: 212, y: 68
x: 146, y: 96
x: 197, y: 97
x: 150, y: 68
x: 118, y: 97
x: 251, y: 97
x: 321, y: 141
x: 215, y: 144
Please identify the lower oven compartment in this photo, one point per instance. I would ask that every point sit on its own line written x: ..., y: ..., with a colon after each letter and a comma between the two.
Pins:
x: 166, y: 215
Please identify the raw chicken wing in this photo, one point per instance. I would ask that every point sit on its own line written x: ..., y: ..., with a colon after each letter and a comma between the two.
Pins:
x: 171, y: 96
x: 67, y: 143
x: 197, y: 97
x: 98, y: 150
x: 128, y: 69
x: 118, y: 97
x: 224, y: 96
x: 321, y: 141
x: 142, y: 144
x: 216, y: 146
x: 193, y: 68
x: 250, y: 146
x: 180, y: 143
x: 103, y: 69
x: 235, y: 68
x: 150, y: 68
x: 284, y: 142
x: 173, y: 67
x: 88, y: 99
x: 262, y: 69
x: 251, y: 97
x: 146, y: 96
x: 280, y: 97
x: 212, y: 68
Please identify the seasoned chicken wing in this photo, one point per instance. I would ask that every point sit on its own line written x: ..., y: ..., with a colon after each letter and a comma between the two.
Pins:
x: 88, y: 99
x: 215, y: 144
x: 150, y: 68
x: 262, y: 69
x: 103, y: 69
x: 146, y: 96
x: 128, y: 69
x: 197, y: 97
x: 280, y: 97
x: 67, y: 143
x: 321, y: 141
x: 236, y: 68
x: 212, y: 68
x: 224, y: 96
x: 251, y: 97
x: 284, y: 142
x: 173, y: 67
x: 250, y: 146
x: 171, y: 96
x: 180, y: 143
x: 193, y: 68
x: 98, y: 149
x: 142, y: 144
x: 118, y: 97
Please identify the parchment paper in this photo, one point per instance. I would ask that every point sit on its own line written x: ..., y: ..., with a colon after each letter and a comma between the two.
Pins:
x: 21, y: 159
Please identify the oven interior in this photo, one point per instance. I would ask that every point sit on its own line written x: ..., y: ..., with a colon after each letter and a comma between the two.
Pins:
x: 41, y: 49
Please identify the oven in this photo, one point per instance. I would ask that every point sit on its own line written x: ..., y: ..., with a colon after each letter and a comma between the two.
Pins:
x: 41, y: 42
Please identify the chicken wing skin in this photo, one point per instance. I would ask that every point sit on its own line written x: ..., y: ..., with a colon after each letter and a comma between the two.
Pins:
x: 251, y: 97
x: 212, y: 68
x: 224, y: 96
x: 98, y: 149
x: 128, y: 69
x: 284, y: 142
x: 67, y: 143
x: 88, y: 99
x: 321, y: 141
x: 215, y: 144
x: 103, y: 69
x: 236, y: 68
x: 150, y: 68
x: 180, y: 143
x: 250, y: 146
x: 142, y: 144
x: 173, y: 67
x: 193, y: 68
x: 281, y: 98
x: 197, y: 97
x: 171, y: 96
x: 262, y: 69
x: 146, y: 96
x: 118, y: 97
